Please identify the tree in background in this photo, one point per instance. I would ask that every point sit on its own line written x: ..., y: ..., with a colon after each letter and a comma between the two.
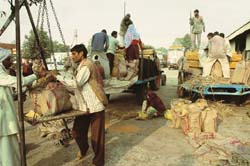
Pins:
x: 163, y: 50
x: 30, y: 49
x: 184, y: 41
x: 59, y: 47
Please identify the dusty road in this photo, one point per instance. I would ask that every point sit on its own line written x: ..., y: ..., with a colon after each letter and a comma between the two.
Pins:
x: 130, y: 142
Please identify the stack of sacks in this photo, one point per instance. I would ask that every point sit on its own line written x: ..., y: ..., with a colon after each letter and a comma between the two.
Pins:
x: 192, y: 59
x: 235, y: 59
x: 193, y: 118
x: 241, y: 74
x: 148, y: 53
x: 119, y: 69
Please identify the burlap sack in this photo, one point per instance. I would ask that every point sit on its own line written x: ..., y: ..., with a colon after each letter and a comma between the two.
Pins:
x: 122, y: 69
x: 191, y: 121
x: 209, y: 120
x: 115, y: 71
x: 48, y: 102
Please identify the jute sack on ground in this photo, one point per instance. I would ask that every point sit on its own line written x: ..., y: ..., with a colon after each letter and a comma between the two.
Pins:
x: 177, y: 107
x: 194, y: 119
x: 191, y: 117
x: 209, y: 120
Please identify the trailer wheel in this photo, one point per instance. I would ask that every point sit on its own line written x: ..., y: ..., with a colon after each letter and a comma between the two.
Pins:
x: 239, y: 100
x: 108, y: 96
x: 141, y: 92
x: 156, y: 83
x: 163, y: 79
x: 180, y: 92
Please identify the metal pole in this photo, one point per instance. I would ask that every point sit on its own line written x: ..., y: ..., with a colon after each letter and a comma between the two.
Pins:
x: 10, y: 18
x: 19, y: 84
x: 141, y: 66
x: 35, y: 32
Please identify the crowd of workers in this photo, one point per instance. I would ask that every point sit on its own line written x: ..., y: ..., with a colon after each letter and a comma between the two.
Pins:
x: 88, y: 90
x: 88, y: 84
x: 217, y: 48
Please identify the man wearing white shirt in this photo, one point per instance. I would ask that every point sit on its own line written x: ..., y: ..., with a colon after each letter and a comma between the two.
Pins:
x: 228, y: 46
x: 217, y: 51
x: 9, y: 127
x: 90, y: 97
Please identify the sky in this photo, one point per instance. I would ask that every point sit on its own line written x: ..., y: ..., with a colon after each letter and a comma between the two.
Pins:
x: 158, y: 22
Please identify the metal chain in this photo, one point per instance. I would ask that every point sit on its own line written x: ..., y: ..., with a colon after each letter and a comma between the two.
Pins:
x: 39, y: 15
x: 43, y: 12
x: 59, y: 26
x: 37, y: 27
x: 50, y: 35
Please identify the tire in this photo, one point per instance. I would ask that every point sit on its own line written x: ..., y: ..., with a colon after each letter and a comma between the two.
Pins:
x: 163, y: 79
x: 180, y: 92
x: 141, y: 92
x: 155, y: 84
x: 180, y: 78
x: 108, y: 96
x: 239, y: 100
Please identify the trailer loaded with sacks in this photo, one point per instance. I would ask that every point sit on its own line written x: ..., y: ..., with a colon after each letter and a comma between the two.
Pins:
x: 192, y: 84
x: 135, y: 77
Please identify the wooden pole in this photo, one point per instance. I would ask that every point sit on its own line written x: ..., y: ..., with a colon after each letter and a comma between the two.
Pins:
x: 19, y: 84
x: 35, y: 33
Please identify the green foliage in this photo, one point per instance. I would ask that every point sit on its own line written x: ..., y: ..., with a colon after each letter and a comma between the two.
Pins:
x: 163, y: 50
x: 59, y: 47
x: 30, y: 49
x: 184, y: 41
x: 178, y: 42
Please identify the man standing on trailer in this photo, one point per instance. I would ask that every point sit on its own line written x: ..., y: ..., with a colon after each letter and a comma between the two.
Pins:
x: 99, y: 46
x: 217, y: 50
x: 126, y: 21
x: 197, y: 25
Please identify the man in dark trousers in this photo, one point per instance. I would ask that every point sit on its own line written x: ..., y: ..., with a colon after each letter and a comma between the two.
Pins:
x: 90, y: 97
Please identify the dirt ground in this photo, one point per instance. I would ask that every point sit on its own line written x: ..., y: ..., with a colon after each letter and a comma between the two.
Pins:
x: 131, y: 142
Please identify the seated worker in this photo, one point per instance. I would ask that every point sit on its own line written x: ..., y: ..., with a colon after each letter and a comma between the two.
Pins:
x: 153, y: 105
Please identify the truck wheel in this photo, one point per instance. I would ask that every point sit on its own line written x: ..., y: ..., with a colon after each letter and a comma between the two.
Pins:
x: 108, y: 96
x: 180, y: 92
x: 156, y: 83
x: 180, y: 77
x: 239, y: 100
x: 163, y: 79
x: 141, y: 92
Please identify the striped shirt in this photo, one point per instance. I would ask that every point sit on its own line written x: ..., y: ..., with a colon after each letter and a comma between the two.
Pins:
x: 85, y: 96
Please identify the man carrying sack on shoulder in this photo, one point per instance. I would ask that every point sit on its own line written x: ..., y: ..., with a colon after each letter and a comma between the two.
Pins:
x: 91, y: 99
